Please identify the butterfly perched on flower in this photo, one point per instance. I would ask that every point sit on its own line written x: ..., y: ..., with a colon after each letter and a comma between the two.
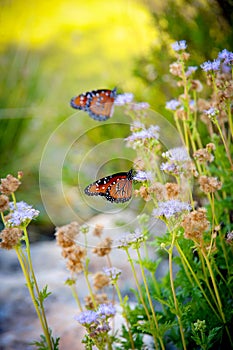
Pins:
x: 115, y: 188
x: 99, y: 104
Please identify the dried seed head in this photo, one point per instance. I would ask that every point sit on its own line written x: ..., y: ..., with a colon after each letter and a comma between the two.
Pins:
x: 209, y: 184
x: 143, y: 193
x: 9, y: 185
x: 100, y: 280
x: 10, y: 237
x: 65, y: 235
x: 98, y: 230
x: 4, y: 203
x: 99, y: 299
x: 195, y: 224
x: 173, y: 190
x: 104, y: 247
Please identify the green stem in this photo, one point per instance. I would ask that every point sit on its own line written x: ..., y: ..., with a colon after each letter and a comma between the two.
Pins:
x: 76, y: 297
x: 124, y: 313
x: 170, y: 252
x: 31, y: 291
x: 141, y: 296
x: 47, y: 335
x: 195, y: 278
x: 149, y: 298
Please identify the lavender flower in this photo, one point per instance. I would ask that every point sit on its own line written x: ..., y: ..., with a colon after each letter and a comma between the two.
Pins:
x: 178, y: 154
x: 191, y: 70
x: 106, y: 310
x: 87, y: 317
x: 124, y: 99
x: 22, y: 214
x: 226, y: 56
x: 211, y: 112
x: 112, y: 272
x: 211, y: 66
x: 179, y: 45
x: 130, y: 239
x: 151, y: 133
x: 172, y: 104
x: 140, y: 105
x: 170, y: 208
x: 143, y: 176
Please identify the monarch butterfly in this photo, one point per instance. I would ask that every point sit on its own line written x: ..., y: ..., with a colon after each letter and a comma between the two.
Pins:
x: 115, y: 188
x: 99, y: 104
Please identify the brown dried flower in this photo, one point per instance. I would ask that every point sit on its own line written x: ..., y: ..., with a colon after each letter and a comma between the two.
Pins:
x: 4, y: 203
x: 195, y: 224
x: 100, y: 280
x: 99, y: 299
x: 203, y: 155
x: 9, y: 185
x: 143, y: 193
x: 104, y: 247
x: 98, y: 230
x: 159, y: 190
x: 173, y: 190
x: 66, y: 234
x: 209, y: 184
x: 176, y: 69
x: 10, y: 237
x: 196, y: 85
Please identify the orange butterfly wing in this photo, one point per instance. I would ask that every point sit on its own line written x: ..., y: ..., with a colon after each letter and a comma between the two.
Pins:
x: 81, y: 101
x: 115, y: 188
x: 102, y: 104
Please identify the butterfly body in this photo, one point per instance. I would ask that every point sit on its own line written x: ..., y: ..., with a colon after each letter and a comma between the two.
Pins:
x: 115, y: 188
x: 99, y: 104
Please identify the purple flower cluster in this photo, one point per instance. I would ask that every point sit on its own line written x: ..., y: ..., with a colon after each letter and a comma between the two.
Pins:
x: 123, y: 99
x: 211, y: 112
x: 172, y: 104
x: 131, y: 238
x: 211, y: 65
x: 90, y: 317
x: 191, y: 70
x: 145, y: 134
x: 178, y: 154
x: 170, y: 208
x: 112, y: 272
x: 226, y: 56
x: 143, y: 176
x: 22, y: 214
x: 179, y: 45
x: 178, y: 161
x: 139, y: 106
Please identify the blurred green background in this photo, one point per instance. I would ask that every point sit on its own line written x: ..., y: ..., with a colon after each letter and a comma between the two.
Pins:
x: 51, y: 51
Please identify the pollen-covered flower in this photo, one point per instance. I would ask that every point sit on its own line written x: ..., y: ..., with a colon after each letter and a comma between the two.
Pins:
x: 104, y: 247
x: 195, y: 224
x: 21, y: 214
x: 171, y: 208
x: 100, y: 280
x: 4, y: 203
x: 179, y: 45
x: 9, y: 185
x: 10, y: 237
x: 123, y: 99
x: 172, y: 104
x: 209, y: 184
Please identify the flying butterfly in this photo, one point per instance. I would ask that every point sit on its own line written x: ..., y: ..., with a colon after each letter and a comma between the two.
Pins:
x: 99, y: 104
x: 115, y: 188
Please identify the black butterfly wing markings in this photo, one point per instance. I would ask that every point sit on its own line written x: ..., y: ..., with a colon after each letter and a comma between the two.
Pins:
x: 99, y: 104
x: 81, y: 101
x: 115, y: 188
